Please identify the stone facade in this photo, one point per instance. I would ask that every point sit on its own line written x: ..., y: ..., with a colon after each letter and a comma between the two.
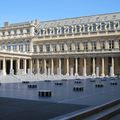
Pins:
x: 82, y: 46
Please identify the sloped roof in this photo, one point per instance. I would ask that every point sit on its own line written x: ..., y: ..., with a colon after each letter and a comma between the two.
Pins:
x: 81, y: 20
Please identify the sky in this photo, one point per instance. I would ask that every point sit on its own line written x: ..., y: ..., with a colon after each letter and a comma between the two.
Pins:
x: 16, y: 11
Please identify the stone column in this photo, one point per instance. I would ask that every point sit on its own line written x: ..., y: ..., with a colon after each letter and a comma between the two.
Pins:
x: 52, y: 67
x: 25, y: 66
x: 38, y: 68
x: 11, y: 66
x: 45, y: 67
x: 76, y: 66
x: 67, y: 66
x: 112, y: 66
x: 103, y: 71
x: 4, y: 66
x: 18, y: 66
x: 84, y: 69
x: 59, y: 66
x: 93, y: 67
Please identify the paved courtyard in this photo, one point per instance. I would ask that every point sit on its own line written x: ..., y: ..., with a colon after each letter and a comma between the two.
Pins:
x: 19, y: 101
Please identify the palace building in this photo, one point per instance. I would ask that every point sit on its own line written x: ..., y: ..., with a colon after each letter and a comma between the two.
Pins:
x: 84, y: 46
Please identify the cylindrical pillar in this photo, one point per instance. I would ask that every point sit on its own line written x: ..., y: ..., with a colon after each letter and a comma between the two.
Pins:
x: 93, y: 67
x: 4, y: 66
x: 67, y: 73
x: 84, y: 69
x: 25, y: 66
x: 103, y: 71
x: 60, y: 66
x: 76, y: 66
x: 52, y: 67
x: 45, y: 67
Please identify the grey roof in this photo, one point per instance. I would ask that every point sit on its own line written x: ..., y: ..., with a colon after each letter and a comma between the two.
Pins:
x: 81, y: 20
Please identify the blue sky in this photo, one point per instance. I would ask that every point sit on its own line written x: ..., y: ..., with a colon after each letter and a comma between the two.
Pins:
x: 24, y: 10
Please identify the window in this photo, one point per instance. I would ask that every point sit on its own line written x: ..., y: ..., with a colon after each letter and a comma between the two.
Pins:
x: 67, y: 29
x: 70, y: 29
x: 62, y: 30
x: 48, y: 47
x: 21, y: 47
x: 48, y: 31
x: 70, y: 47
x: 41, y: 48
x: 62, y: 47
x: 94, y: 45
x: 107, y: 25
x: 111, y: 44
x: 85, y: 45
x: 102, y: 45
x: 8, y: 47
x: 102, y: 26
x: 78, y: 29
x: 55, y: 31
x: 27, y: 47
x: 116, y: 24
x: 41, y: 31
x: 54, y: 47
x: 111, y: 25
x: 94, y: 27
x: 14, y: 47
x: 77, y: 46
x: 81, y: 28
x: 90, y: 28
x: 86, y: 28
x: 3, y: 46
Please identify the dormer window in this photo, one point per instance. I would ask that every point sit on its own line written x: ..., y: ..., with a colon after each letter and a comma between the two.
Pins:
x: 102, y: 26
x: 62, y: 30
x: 70, y: 29
x: 94, y: 27
x: 90, y: 28
x: 41, y: 31
x: 82, y: 28
x: 78, y: 29
x: 86, y: 28
x: 111, y: 25
x: 107, y: 25
x: 55, y: 31
x: 116, y: 24
x: 48, y: 31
